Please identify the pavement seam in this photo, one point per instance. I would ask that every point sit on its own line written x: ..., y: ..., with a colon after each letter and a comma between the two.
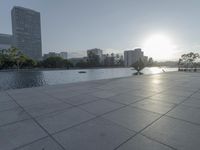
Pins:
x: 31, y: 117
x: 139, y: 132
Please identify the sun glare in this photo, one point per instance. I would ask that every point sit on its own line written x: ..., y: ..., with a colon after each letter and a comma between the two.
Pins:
x: 159, y: 46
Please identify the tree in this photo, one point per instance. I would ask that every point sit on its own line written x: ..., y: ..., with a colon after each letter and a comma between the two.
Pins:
x: 56, y: 62
x: 14, y: 58
x: 93, y: 59
x: 53, y: 62
x: 150, y: 61
x: 189, y: 60
x: 138, y: 66
x: 82, y: 64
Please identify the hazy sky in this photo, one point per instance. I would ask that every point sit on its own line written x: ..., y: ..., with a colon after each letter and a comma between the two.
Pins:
x: 114, y: 25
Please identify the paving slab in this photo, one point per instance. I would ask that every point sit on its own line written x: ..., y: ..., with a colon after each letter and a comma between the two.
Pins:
x: 27, y: 100
x: 158, y: 111
x: 6, y: 105
x: 126, y: 98
x: 192, y: 102
x: 15, y: 135
x: 81, y: 99
x: 186, y: 113
x: 168, y: 98
x: 100, y: 107
x: 39, y: 109
x: 196, y: 95
x: 154, y: 106
x: 55, y: 122
x: 142, y: 143
x: 178, y: 134
x: 4, y: 97
x: 132, y: 118
x: 104, y: 94
x: 62, y: 93
x: 43, y: 144
x: 12, y: 115
x: 98, y: 134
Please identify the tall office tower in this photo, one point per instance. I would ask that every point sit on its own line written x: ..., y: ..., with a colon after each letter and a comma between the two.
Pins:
x: 26, y: 30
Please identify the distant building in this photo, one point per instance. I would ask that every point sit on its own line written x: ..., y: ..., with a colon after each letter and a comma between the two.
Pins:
x: 112, y: 59
x: 5, y: 41
x: 26, y: 30
x: 132, y: 56
x: 74, y: 61
x: 64, y: 55
x: 108, y: 60
x: 50, y: 54
x: 95, y: 56
x: 54, y: 54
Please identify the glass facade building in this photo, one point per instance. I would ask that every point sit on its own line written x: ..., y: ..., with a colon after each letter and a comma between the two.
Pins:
x: 26, y: 28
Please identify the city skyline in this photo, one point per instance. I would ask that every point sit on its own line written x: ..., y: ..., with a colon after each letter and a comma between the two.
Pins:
x: 114, y: 26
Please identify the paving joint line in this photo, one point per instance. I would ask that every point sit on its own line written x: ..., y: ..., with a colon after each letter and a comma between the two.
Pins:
x: 154, y: 121
x: 37, y: 123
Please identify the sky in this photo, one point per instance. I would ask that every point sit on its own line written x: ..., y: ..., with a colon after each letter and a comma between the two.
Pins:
x: 164, y: 29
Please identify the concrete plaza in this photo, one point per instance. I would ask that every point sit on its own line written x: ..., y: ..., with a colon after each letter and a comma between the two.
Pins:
x: 149, y: 112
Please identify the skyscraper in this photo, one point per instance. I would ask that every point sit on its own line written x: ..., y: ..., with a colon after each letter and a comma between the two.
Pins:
x: 26, y: 30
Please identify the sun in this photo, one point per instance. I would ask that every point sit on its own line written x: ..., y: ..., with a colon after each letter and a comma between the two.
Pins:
x: 159, y: 46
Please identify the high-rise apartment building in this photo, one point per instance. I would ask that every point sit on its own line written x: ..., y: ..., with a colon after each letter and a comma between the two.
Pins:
x: 95, y: 55
x: 132, y: 56
x: 26, y: 30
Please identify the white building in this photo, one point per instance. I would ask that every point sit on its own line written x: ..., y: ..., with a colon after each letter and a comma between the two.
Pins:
x: 132, y: 56
x: 64, y: 55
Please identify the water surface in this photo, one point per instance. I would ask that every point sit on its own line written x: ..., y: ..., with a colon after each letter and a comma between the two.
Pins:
x: 23, y: 79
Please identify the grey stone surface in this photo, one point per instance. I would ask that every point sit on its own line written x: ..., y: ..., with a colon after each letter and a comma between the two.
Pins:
x: 132, y: 118
x: 196, y: 95
x: 100, y: 107
x: 43, y: 144
x: 142, y: 143
x: 29, y: 99
x: 186, y: 113
x: 12, y: 115
x: 81, y: 99
x: 163, y: 109
x: 55, y: 122
x: 176, y: 133
x: 6, y: 105
x: 175, y: 92
x: 62, y: 93
x: 192, y: 102
x: 98, y: 134
x: 104, y: 94
x: 125, y: 98
x: 174, y: 99
x: 4, y: 97
x: 14, y: 135
x: 154, y: 106
x: 45, y: 107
